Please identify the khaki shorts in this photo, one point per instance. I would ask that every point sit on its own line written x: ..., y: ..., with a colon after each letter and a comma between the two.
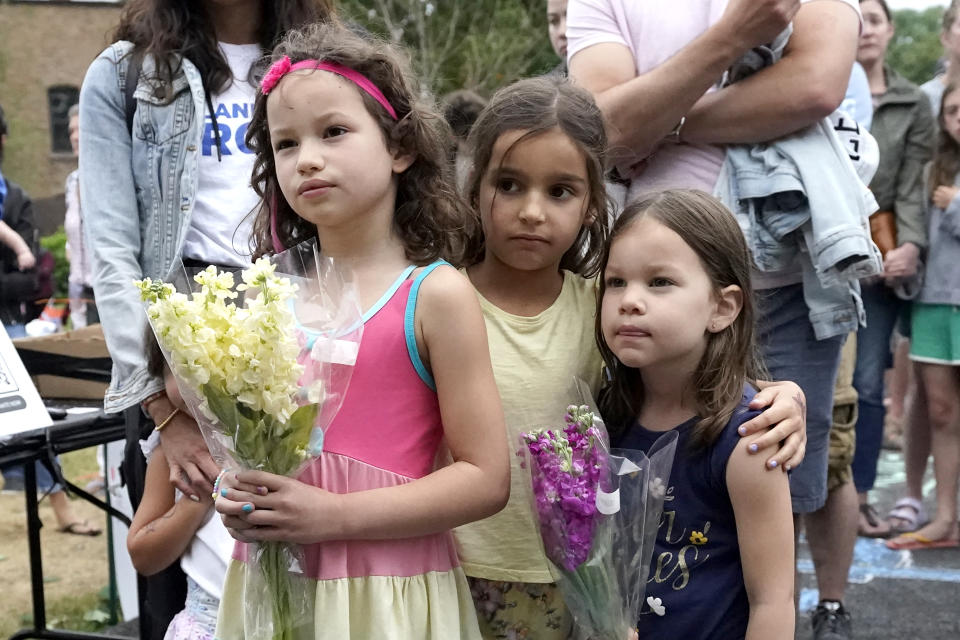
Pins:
x: 843, y: 435
x: 843, y: 440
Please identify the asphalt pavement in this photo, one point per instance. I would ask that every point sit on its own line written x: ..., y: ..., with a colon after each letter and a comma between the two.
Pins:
x: 894, y: 595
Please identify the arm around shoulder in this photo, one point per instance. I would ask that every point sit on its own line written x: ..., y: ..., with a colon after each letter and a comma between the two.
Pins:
x: 761, y: 505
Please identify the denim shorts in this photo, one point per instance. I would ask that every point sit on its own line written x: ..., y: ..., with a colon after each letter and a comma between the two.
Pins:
x: 791, y: 351
x: 13, y: 478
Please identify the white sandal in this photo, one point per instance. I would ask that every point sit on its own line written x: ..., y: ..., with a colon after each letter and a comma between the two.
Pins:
x: 910, y: 513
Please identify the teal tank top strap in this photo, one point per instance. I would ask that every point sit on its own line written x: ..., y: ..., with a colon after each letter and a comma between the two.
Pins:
x: 409, y: 331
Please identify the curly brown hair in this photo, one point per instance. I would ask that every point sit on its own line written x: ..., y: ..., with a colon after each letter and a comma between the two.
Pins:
x: 536, y: 105
x: 430, y: 217
x: 730, y: 358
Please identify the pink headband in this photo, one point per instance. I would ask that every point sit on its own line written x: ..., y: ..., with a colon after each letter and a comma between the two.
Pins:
x: 283, y: 66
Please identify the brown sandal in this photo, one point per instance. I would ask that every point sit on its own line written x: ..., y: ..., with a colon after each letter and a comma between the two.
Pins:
x: 870, y: 525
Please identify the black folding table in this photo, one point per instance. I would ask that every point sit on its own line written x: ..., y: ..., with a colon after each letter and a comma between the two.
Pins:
x: 70, y: 434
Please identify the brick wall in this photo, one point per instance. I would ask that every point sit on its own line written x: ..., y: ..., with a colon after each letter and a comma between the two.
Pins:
x: 44, y: 44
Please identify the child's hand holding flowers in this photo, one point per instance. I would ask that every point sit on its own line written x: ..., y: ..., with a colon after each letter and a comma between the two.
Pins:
x: 262, y: 388
x: 597, y: 518
x: 259, y: 507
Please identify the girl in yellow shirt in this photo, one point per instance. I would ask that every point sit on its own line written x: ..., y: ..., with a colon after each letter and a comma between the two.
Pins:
x: 537, y: 184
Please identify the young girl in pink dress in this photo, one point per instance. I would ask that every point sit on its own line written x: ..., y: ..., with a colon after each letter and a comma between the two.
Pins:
x: 348, y: 152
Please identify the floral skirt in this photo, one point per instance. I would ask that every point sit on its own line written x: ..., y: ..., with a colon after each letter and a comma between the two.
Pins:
x: 520, y: 610
x: 198, y: 619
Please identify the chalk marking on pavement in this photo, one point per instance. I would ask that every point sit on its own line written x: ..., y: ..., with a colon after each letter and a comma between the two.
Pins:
x: 809, y: 599
x: 872, y: 560
x: 905, y: 561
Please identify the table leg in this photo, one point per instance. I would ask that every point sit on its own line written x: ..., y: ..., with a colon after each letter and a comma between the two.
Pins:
x: 33, y: 540
x: 39, y: 629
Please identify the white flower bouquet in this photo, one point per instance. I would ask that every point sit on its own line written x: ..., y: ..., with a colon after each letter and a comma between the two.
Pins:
x: 263, y: 365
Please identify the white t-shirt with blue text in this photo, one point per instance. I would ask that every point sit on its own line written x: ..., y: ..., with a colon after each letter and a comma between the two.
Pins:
x: 222, y: 219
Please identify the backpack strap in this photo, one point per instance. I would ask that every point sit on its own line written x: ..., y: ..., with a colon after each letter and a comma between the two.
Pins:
x: 130, y: 87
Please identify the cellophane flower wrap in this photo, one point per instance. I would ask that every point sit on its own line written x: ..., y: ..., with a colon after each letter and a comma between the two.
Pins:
x: 262, y: 359
x: 598, y: 511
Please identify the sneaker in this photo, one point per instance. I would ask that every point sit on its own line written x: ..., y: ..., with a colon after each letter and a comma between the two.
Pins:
x: 831, y: 622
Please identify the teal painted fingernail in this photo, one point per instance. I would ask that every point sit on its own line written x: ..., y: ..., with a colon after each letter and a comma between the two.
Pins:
x: 223, y: 492
x: 754, y: 448
x: 247, y: 508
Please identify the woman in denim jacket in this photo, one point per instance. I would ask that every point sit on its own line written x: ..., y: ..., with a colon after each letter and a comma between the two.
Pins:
x: 171, y: 183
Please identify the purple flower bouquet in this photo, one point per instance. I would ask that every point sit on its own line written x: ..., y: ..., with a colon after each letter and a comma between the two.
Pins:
x: 598, y: 511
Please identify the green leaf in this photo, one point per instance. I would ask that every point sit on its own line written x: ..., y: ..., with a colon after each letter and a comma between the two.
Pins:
x: 56, y: 243
x: 286, y: 455
x: 223, y: 407
x: 301, y: 424
x: 252, y: 441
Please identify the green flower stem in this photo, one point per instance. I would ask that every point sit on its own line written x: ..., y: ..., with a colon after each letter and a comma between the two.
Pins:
x: 273, y: 567
x: 261, y: 442
x: 596, y: 587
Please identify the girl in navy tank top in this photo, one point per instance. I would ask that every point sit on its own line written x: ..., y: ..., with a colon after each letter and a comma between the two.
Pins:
x: 675, y: 326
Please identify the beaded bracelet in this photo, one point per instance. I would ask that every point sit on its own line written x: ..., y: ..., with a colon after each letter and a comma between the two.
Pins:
x: 167, y: 420
x: 145, y: 405
x: 216, y: 484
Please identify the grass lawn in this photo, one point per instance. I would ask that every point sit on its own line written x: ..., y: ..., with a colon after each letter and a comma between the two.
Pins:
x: 87, y: 612
x: 75, y: 567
